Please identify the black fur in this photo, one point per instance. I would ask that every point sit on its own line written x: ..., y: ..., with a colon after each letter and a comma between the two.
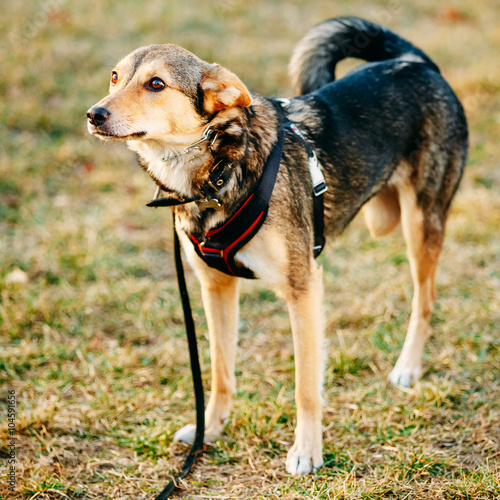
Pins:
x: 380, y: 114
x: 331, y: 41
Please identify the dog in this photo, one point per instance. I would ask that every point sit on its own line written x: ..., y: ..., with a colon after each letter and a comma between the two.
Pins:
x: 389, y: 139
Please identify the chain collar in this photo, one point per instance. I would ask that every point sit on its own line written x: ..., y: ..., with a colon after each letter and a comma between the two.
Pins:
x: 208, y: 135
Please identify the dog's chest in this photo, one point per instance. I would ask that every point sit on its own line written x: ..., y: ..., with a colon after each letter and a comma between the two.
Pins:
x: 177, y: 173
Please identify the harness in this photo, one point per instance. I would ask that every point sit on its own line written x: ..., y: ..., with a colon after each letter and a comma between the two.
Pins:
x: 319, y: 187
x: 219, y: 246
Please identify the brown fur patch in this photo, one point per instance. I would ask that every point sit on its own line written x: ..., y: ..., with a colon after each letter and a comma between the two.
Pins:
x: 223, y: 89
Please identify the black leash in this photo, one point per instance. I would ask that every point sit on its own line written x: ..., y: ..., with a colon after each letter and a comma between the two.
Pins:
x: 197, y: 447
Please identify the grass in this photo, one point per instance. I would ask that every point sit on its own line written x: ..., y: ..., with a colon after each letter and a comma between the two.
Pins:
x: 93, y: 340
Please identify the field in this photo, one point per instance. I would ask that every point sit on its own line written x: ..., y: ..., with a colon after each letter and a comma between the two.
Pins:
x: 91, y: 330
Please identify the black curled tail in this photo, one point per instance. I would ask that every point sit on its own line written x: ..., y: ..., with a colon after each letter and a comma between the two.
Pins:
x: 316, y: 55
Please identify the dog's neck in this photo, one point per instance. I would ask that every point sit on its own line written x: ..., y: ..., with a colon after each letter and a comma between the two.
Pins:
x: 245, y: 137
x: 169, y: 166
x: 182, y: 164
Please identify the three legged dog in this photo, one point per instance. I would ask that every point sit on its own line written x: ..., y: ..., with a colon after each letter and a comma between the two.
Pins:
x: 391, y: 139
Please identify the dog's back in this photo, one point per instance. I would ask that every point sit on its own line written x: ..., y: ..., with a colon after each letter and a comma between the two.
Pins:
x: 394, y: 112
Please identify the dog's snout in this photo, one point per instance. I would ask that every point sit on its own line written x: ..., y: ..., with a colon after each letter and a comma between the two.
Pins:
x: 97, y: 115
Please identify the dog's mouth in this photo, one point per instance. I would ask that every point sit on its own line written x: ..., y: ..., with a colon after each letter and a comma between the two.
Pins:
x: 108, y: 135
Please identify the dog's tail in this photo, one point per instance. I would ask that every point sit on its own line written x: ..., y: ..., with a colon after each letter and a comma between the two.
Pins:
x: 316, y: 55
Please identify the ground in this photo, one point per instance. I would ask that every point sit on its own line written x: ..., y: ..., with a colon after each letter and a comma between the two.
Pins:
x: 91, y: 332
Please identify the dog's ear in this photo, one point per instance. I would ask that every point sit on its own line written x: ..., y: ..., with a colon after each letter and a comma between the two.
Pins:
x: 223, y: 89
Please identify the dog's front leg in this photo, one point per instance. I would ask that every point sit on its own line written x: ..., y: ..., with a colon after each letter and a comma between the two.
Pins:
x: 220, y: 298
x: 306, y: 314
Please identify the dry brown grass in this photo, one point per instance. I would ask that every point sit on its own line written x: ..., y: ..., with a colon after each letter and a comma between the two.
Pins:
x: 93, y: 343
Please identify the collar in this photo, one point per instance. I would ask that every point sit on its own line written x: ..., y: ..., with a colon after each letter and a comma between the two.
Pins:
x: 208, y: 135
x: 218, y: 179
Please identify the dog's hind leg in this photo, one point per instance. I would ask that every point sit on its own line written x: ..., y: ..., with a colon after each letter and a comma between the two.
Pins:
x: 423, y: 233
x: 382, y: 212
x: 220, y: 298
x: 307, y: 317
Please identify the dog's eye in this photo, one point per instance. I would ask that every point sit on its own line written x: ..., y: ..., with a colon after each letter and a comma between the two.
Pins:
x: 114, y: 77
x: 156, y: 84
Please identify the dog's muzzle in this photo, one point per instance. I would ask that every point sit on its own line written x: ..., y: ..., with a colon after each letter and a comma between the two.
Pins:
x: 97, y: 116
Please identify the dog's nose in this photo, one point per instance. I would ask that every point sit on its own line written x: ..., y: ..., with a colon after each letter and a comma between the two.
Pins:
x: 97, y: 116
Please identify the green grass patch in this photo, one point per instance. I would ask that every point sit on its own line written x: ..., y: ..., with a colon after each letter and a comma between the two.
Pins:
x: 93, y: 343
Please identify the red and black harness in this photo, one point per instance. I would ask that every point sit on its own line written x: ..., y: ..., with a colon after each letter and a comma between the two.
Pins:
x: 219, y: 246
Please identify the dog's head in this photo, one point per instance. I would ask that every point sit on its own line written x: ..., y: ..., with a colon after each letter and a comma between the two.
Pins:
x: 164, y: 93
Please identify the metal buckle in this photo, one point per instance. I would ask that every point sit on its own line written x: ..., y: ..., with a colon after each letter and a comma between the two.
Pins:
x: 210, y: 254
x: 223, y: 179
x: 317, y: 178
x: 209, y: 203
x: 320, y: 189
x: 284, y: 102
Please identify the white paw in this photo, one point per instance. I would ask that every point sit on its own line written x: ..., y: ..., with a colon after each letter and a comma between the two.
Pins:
x: 301, y: 461
x: 186, y: 434
x: 405, y: 376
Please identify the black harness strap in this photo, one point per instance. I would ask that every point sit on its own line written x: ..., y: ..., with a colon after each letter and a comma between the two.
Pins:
x: 219, y: 246
x: 197, y: 447
x: 319, y: 225
x: 319, y: 187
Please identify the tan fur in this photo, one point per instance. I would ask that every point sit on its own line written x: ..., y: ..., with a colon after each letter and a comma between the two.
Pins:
x: 307, y: 318
x: 166, y: 117
x: 423, y: 254
x: 169, y: 115
x: 220, y: 295
x: 220, y: 299
x: 382, y: 212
